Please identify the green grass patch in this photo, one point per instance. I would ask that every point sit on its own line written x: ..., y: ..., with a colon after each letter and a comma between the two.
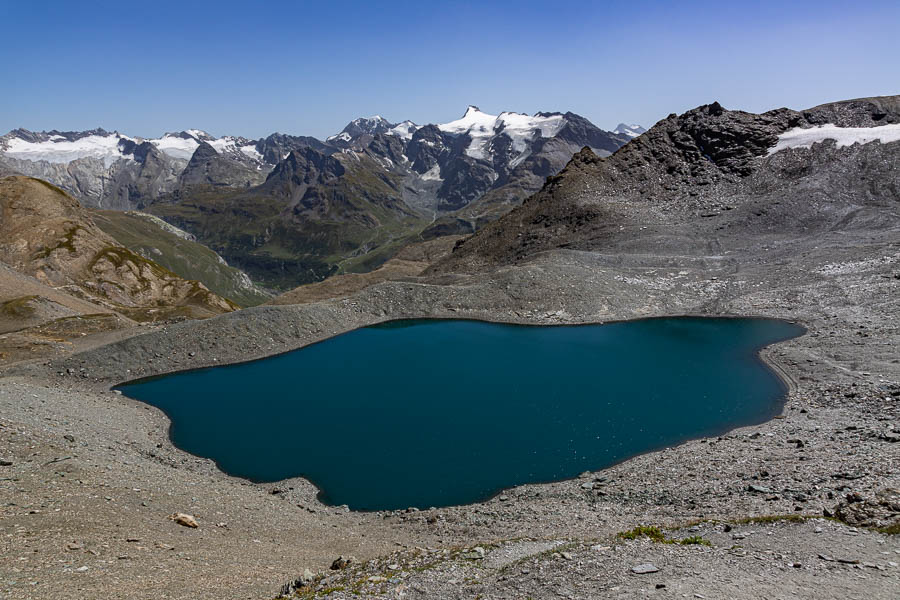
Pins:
x: 890, y: 529
x: 649, y: 531
x: 694, y: 540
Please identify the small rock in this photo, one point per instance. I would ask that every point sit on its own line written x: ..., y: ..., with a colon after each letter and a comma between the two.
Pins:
x: 341, y: 562
x: 376, y: 579
x: 185, y: 520
x: 644, y: 569
x: 83, y: 569
x: 587, y: 486
x: 289, y: 589
x: 72, y: 546
x: 567, y: 555
x: 758, y: 489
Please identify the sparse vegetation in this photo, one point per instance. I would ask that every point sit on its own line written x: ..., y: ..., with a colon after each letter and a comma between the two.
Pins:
x: 764, y: 519
x: 18, y: 307
x: 188, y: 259
x: 648, y: 531
x: 67, y: 242
x: 656, y: 534
x: 694, y: 540
x: 891, y: 529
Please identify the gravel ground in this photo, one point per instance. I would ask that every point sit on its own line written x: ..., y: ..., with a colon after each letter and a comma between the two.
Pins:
x: 70, y: 505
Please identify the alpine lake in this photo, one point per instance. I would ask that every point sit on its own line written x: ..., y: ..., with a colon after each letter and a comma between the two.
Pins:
x: 442, y: 412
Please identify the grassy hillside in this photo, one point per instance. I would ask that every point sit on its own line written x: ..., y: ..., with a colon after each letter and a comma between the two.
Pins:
x: 300, y: 234
x: 186, y: 258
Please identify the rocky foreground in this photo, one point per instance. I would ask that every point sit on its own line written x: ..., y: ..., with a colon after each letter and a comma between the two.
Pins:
x: 804, y: 505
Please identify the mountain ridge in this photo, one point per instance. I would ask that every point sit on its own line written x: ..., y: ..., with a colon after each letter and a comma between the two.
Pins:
x: 708, y: 162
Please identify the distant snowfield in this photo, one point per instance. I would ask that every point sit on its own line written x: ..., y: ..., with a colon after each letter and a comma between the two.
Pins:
x: 844, y: 136
x: 57, y: 149
x: 481, y: 127
x: 60, y: 150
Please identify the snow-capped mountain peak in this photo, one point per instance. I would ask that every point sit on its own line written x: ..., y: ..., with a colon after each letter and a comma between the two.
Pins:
x: 473, y: 119
x: 520, y: 128
x: 631, y: 131
x: 362, y: 126
x: 404, y: 130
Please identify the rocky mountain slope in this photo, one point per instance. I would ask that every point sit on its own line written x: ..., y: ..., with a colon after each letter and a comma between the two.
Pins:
x: 111, y: 170
x: 179, y: 252
x: 291, y: 209
x: 46, y: 235
x: 713, y: 174
x: 376, y: 187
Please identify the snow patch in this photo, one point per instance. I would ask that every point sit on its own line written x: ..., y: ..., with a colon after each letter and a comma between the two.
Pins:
x: 404, y: 130
x: 433, y: 174
x: 176, y: 147
x: 844, y: 136
x: 630, y: 131
x: 252, y: 152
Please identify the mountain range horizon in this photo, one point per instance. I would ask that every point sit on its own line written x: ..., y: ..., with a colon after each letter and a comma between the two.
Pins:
x: 620, y: 127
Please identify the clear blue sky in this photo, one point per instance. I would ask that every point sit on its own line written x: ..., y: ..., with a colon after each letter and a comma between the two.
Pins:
x: 251, y: 68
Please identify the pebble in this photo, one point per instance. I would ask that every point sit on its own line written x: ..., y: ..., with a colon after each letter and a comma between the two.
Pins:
x: 644, y: 569
x: 185, y: 520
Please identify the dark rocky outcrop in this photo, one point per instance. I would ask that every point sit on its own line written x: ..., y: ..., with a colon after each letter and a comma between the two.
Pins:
x: 208, y: 167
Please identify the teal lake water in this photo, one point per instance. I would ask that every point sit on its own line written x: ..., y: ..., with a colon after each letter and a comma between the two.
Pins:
x: 436, y: 413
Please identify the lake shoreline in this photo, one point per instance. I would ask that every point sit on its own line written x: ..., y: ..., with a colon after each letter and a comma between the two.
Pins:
x: 137, y: 390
